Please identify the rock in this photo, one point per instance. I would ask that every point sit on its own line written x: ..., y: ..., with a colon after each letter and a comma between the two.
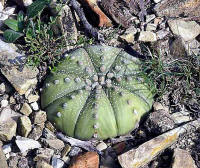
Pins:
x: 67, y: 24
x: 36, y: 132
x: 57, y: 162
x: 151, y: 27
x: 50, y: 126
x: 35, y: 106
x: 40, y: 117
x: 157, y: 1
x: 13, y: 160
x: 87, y: 160
x: 56, y: 144
x: 101, y: 146
x: 145, y: 153
x: 183, y: 8
x: 7, y: 114
x: 48, y: 134
x: 43, y: 164
x: 4, y: 103
x: 192, y: 47
x: 21, y: 80
x: 177, y: 48
x: 12, y: 100
x: 147, y: 36
x: 149, y: 18
x: 7, y: 148
x: 44, y: 154
x: 188, y: 30
x: 181, y: 117
x: 24, y: 127
x: 159, y: 122
x: 7, y: 130
x: 32, y: 98
x: 23, y: 162
x: 182, y: 159
x: 75, y: 151
x: 26, y: 109
x: 2, y: 88
x: 162, y: 34
x: 3, y: 159
x: 5, y: 14
x: 129, y: 35
x: 65, y: 150
x: 25, y: 144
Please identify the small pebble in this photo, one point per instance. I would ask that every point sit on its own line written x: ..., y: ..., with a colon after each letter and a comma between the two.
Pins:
x: 4, y: 103
x: 35, y: 106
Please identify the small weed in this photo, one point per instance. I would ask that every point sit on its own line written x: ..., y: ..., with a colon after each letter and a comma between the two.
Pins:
x: 163, y: 74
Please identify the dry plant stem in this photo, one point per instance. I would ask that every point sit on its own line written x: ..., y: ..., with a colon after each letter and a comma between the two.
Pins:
x: 87, y: 145
x: 103, y: 19
x: 88, y: 27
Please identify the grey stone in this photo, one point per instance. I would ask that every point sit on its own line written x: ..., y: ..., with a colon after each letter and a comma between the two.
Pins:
x: 23, y: 162
x: 7, y: 130
x: 40, y: 117
x: 188, y: 30
x: 3, y: 163
x: 149, y: 18
x: 44, y: 154
x: 182, y: 159
x: 162, y: 34
x: 36, y: 132
x: 56, y: 144
x: 4, y: 103
x: 7, y: 148
x: 151, y: 27
x: 7, y: 114
x: 159, y: 122
x: 21, y: 79
x: 57, y: 162
x: 25, y: 144
x: 75, y: 151
x: 35, y: 106
x: 5, y: 14
x: 24, y: 127
x: 147, y: 36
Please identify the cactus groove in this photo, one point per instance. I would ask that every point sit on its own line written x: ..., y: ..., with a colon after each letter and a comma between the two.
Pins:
x: 96, y: 92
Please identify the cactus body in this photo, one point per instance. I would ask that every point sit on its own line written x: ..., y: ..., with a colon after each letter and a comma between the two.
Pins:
x: 96, y: 93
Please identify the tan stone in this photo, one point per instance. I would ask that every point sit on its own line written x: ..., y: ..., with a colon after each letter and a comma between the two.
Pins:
x: 24, y: 126
x: 147, y: 36
x: 21, y: 80
x: 26, y: 109
x: 55, y: 143
x: 33, y: 98
x: 43, y: 164
x: 7, y: 130
x: 183, y: 159
x: 3, y: 163
x: 40, y: 117
x: 146, y: 152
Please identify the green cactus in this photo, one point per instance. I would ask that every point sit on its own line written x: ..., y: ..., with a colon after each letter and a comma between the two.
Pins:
x: 96, y: 92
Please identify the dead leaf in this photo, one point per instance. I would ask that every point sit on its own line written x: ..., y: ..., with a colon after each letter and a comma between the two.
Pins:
x: 103, y: 19
x: 87, y: 160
